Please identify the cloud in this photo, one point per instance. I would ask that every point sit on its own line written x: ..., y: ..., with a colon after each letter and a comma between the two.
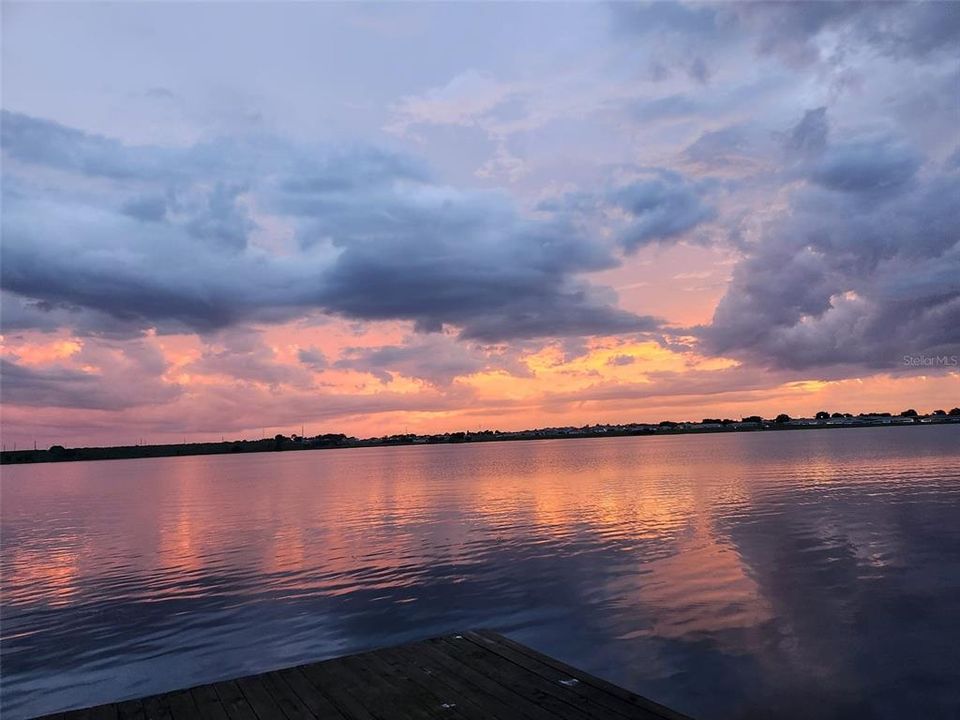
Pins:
x: 689, y: 387
x: 42, y: 142
x: 438, y: 257
x: 108, y: 376
x: 503, y: 163
x: 666, y: 107
x: 841, y: 276
x: 721, y: 148
x: 699, y: 71
x: 436, y: 359
x: 799, y: 33
x: 809, y: 136
x: 23, y: 385
x: 19, y: 313
x: 340, y: 171
x: 241, y: 354
x: 660, y: 208
x: 866, y: 166
x: 662, y: 17
x: 789, y: 30
x: 655, y: 205
x: 313, y: 358
x: 171, y: 248
x: 919, y: 30
x: 469, y: 99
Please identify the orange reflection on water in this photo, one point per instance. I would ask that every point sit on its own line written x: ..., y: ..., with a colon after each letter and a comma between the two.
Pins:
x: 51, y: 575
x: 687, y: 576
x: 703, y: 589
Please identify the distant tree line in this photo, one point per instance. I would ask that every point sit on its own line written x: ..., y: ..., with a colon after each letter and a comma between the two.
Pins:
x: 280, y: 442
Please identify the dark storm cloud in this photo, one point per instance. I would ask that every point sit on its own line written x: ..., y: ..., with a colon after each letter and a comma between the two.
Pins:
x: 73, y: 255
x: 18, y: 313
x: 660, y: 208
x: 866, y: 166
x: 789, y: 30
x: 171, y: 246
x: 438, y: 256
x: 656, y: 206
x: 862, y: 268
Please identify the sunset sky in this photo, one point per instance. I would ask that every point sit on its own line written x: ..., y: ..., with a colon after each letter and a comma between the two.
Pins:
x: 240, y: 218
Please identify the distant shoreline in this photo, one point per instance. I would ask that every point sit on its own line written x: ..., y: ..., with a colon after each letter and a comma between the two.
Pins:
x: 335, y: 442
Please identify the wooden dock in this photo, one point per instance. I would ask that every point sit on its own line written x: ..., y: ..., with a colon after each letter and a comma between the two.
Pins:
x: 470, y: 676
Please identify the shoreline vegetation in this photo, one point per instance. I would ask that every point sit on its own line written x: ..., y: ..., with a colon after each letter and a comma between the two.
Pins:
x: 822, y: 421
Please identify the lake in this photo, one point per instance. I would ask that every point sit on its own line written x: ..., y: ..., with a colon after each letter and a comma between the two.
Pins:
x: 751, y: 575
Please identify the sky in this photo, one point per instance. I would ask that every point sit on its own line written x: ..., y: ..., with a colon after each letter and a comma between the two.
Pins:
x: 237, y: 219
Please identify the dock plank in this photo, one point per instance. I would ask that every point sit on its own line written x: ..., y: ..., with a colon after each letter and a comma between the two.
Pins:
x: 208, y: 703
x: 131, y: 710
x: 156, y: 707
x: 561, y: 705
x: 496, y: 702
x: 182, y: 706
x: 608, y: 687
x: 286, y: 699
x: 585, y: 691
x: 233, y: 701
x: 263, y: 705
x: 309, y: 695
x: 338, y: 688
x: 474, y: 675
x: 408, y: 692
x: 518, y: 706
x: 417, y: 670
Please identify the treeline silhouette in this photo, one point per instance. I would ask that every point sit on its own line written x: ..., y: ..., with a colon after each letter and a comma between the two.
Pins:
x: 279, y: 442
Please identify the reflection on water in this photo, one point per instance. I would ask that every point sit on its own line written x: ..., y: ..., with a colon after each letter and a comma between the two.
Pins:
x: 730, y: 576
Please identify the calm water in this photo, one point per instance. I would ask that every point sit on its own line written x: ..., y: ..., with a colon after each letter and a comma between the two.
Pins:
x: 800, y: 574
